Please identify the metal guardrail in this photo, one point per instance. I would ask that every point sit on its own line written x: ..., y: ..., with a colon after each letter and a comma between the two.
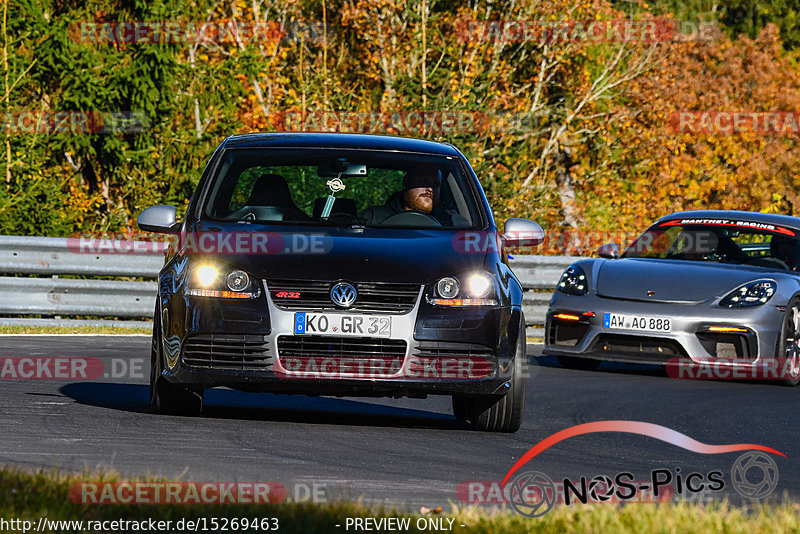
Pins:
x: 54, y: 296
x: 59, y: 296
x: 56, y: 256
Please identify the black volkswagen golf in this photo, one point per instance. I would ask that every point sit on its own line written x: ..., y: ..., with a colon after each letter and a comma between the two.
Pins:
x: 345, y: 265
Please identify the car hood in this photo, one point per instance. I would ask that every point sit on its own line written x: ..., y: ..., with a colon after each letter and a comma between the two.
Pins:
x: 320, y: 253
x: 671, y: 280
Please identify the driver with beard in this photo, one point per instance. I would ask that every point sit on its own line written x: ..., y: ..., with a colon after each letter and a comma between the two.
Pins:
x: 420, y: 193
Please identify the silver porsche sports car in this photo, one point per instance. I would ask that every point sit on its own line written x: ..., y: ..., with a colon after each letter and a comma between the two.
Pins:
x: 717, y: 288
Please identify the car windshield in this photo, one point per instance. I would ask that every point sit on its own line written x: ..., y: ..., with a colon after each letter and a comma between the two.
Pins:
x: 342, y: 187
x: 729, y: 241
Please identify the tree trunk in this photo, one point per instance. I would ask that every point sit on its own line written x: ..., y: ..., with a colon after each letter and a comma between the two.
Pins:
x: 570, y: 239
x: 565, y: 187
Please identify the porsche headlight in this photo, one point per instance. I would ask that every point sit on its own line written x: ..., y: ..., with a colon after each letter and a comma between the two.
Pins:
x: 208, y: 280
x: 573, y: 281
x: 751, y: 294
x: 473, y: 289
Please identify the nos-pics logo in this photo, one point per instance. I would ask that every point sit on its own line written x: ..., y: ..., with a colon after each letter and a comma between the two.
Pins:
x: 754, y: 474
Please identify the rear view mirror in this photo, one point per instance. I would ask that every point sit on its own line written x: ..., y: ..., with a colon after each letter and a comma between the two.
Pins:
x: 342, y: 170
x: 609, y: 251
x: 522, y: 233
x: 159, y: 219
x: 354, y: 171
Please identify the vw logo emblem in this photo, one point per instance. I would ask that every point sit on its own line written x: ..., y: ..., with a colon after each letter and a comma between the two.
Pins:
x: 343, y: 294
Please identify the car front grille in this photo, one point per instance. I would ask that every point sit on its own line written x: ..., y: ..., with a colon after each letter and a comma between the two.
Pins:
x: 339, y: 356
x: 729, y: 346
x: 315, y: 295
x: 227, y: 351
x: 646, y: 349
x: 564, y: 333
x: 452, y: 360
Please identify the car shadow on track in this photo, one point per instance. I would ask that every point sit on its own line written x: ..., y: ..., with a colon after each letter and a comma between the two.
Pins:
x: 605, y: 367
x: 124, y: 397
x: 658, y: 371
x: 231, y: 404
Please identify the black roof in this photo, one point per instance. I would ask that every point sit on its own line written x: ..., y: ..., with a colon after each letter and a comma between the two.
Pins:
x: 754, y: 216
x: 339, y: 140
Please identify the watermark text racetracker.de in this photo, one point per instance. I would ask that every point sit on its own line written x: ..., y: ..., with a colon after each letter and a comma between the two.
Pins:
x: 195, y: 492
x: 22, y: 121
x: 733, y: 122
x: 177, y: 493
x: 411, y: 368
x: 405, y: 122
x: 565, y: 242
x: 622, y: 488
x: 69, y: 368
x: 211, y: 243
x: 132, y: 32
x: 590, y: 31
x: 779, y: 368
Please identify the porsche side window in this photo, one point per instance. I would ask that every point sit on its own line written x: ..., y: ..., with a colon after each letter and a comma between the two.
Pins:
x: 752, y: 245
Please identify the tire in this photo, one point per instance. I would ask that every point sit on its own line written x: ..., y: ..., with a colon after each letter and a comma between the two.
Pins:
x: 503, y: 413
x: 788, y: 344
x: 582, y: 364
x: 166, y: 397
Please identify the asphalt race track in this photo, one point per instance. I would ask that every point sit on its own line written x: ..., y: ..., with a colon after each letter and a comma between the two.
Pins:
x: 406, y: 452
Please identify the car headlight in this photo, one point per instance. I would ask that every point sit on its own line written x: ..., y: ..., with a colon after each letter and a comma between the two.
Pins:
x: 447, y: 287
x: 751, y: 294
x: 474, y: 289
x: 573, y: 281
x: 479, y: 285
x: 207, y: 280
x: 237, y: 280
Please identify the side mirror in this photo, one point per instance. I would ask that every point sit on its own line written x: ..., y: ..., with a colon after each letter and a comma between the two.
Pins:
x: 159, y: 219
x: 609, y: 250
x: 522, y: 233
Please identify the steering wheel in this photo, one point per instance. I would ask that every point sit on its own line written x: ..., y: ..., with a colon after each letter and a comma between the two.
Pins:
x: 245, y: 213
x: 415, y: 219
x: 767, y: 261
x: 260, y: 213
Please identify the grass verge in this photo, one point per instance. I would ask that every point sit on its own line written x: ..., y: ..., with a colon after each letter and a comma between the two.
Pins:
x: 29, y: 495
x: 55, y: 330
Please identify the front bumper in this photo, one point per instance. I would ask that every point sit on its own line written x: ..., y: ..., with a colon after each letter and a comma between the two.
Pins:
x: 251, y: 346
x: 464, y: 368
x: 694, y: 332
